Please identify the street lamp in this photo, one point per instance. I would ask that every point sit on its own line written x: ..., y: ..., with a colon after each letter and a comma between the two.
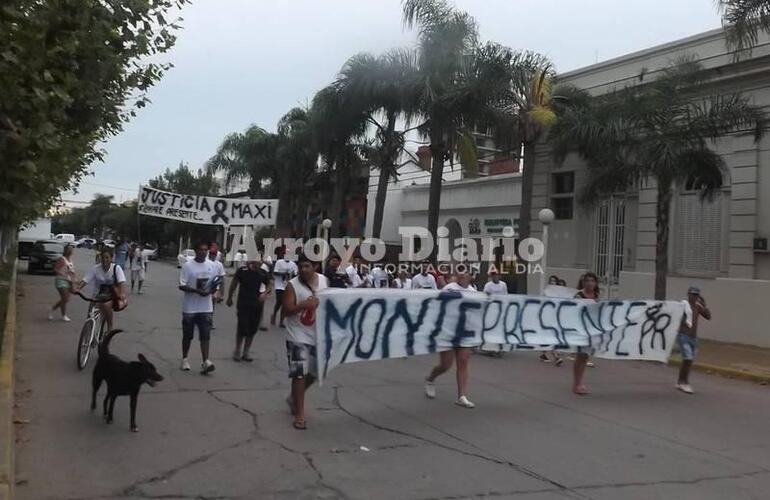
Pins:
x: 326, y: 224
x: 546, y: 216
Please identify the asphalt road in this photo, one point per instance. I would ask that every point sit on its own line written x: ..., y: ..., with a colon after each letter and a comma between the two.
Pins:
x: 372, y: 434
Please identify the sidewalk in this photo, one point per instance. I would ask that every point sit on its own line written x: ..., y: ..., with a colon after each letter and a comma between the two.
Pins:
x: 731, y: 360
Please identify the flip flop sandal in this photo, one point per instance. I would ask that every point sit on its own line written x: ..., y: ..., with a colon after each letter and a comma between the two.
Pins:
x: 299, y: 425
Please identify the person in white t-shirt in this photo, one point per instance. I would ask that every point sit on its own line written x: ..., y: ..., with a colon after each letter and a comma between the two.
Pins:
x: 380, y: 277
x: 460, y: 354
x: 200, y: 280
x: 241, y: 259
x: 494, y: 286
x: 423, y: 279
x: 284, y: 271
x: 102, y: 279
x: 300, y: 302
x: 355, y: 280
x: 403, y: 281
x: 215, y: 256
x: 137, y: 262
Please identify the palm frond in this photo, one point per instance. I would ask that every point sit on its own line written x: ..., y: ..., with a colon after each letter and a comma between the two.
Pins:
x: 702, y: 169
x: 743, y: 20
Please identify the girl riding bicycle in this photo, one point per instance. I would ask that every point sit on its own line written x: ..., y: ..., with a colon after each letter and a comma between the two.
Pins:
x: 106, y: 280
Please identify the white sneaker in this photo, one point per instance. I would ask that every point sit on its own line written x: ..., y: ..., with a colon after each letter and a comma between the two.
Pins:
x: 686, y: 388
x: 465, y: 402
x: 207, y: 367
x: 66, y: 318
x: 50, y: 316
x: 185, y: 365
x: 430, y: 389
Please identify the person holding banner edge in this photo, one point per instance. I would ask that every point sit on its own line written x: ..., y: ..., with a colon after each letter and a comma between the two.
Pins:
x: 460, y: 354
x: 687, y: 338
x: 299, y: 308
x: 589, y: 289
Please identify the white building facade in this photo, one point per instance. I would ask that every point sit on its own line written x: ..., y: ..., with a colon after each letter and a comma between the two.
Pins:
x: 719, y: 246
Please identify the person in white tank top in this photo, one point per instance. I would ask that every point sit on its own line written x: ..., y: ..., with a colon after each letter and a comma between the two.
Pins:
x: 461, y: 354
x: 299, y: 306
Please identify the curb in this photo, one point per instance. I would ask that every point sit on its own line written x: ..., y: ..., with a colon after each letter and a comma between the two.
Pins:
x: 725, y: 371
x: 7, y: 437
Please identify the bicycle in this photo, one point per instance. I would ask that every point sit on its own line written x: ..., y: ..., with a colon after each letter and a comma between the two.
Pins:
x: 92, y: 333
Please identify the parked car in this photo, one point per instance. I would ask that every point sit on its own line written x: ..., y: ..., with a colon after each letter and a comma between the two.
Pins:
x: 44, y: 255
x: 85, y: 243
x: 186, y: 255
x: 65, y: 237
x: 109, y: 243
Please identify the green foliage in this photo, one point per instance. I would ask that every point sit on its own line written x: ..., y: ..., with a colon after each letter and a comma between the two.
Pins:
x: 72, y: 73
x: 103, y: 218
x: 662, y: 130
x: 744, y: 20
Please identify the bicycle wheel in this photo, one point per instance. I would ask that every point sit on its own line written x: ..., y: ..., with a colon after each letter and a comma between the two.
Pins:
x: 84, y: 343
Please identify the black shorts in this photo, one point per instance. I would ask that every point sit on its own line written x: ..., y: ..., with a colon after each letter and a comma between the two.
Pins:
x: 249, y: 318
x: 201, y: 320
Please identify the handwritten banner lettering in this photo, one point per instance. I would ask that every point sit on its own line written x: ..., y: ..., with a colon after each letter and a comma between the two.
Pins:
x: 380, y: 324
x: 207, y: 209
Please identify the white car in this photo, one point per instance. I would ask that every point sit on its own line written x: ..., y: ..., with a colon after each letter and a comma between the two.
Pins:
x: 65, y: 237
x: 186, y: 255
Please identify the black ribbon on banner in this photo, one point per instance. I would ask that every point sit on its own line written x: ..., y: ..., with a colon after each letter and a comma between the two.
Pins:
x: 219, y: 212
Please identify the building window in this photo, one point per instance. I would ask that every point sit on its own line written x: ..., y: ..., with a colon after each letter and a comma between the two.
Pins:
x: 699, y: 234
x: 563, y: 195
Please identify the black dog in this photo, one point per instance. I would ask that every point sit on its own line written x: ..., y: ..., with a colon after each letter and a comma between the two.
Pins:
x: 123, y: 379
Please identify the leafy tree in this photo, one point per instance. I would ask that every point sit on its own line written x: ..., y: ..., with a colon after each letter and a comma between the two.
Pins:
x: 297, y: 160
x: 72, y: 73
x: 337, y: 129
x: 660, y: 131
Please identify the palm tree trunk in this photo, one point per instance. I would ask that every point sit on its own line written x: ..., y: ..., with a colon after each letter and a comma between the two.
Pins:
x: 379, y: 202
x: 434, y: 199
x: 527, y: 180
x: 663, y: 210
x: 338, y: 198
x: 285, y: 209
x: 382, y: 183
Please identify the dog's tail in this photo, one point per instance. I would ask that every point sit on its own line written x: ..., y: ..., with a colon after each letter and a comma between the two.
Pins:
x: 104, y: 347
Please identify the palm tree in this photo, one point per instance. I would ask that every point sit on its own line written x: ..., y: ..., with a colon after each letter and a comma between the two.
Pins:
x: 385, y: 89
x: 337, y: 129
x: 458, y: 82
x: 658, y: 131
x: 743, y: 20
x: 249, y: 155
x: 297, y: 162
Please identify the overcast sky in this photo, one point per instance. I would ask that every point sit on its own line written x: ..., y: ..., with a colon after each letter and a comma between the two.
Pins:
x: 239, y: 62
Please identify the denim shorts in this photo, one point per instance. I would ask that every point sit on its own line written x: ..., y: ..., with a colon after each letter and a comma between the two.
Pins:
x: 301, y: 358
x: 688, y: 346
x: 204, y: 322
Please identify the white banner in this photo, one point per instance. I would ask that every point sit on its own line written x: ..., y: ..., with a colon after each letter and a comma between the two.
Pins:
x: 378, y: 324
x: 207, y: 209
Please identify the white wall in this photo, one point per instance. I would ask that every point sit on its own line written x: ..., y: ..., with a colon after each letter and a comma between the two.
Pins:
x: 739, y: 307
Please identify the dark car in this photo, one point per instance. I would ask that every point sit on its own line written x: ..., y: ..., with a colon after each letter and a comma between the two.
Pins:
x: 44, y: 255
